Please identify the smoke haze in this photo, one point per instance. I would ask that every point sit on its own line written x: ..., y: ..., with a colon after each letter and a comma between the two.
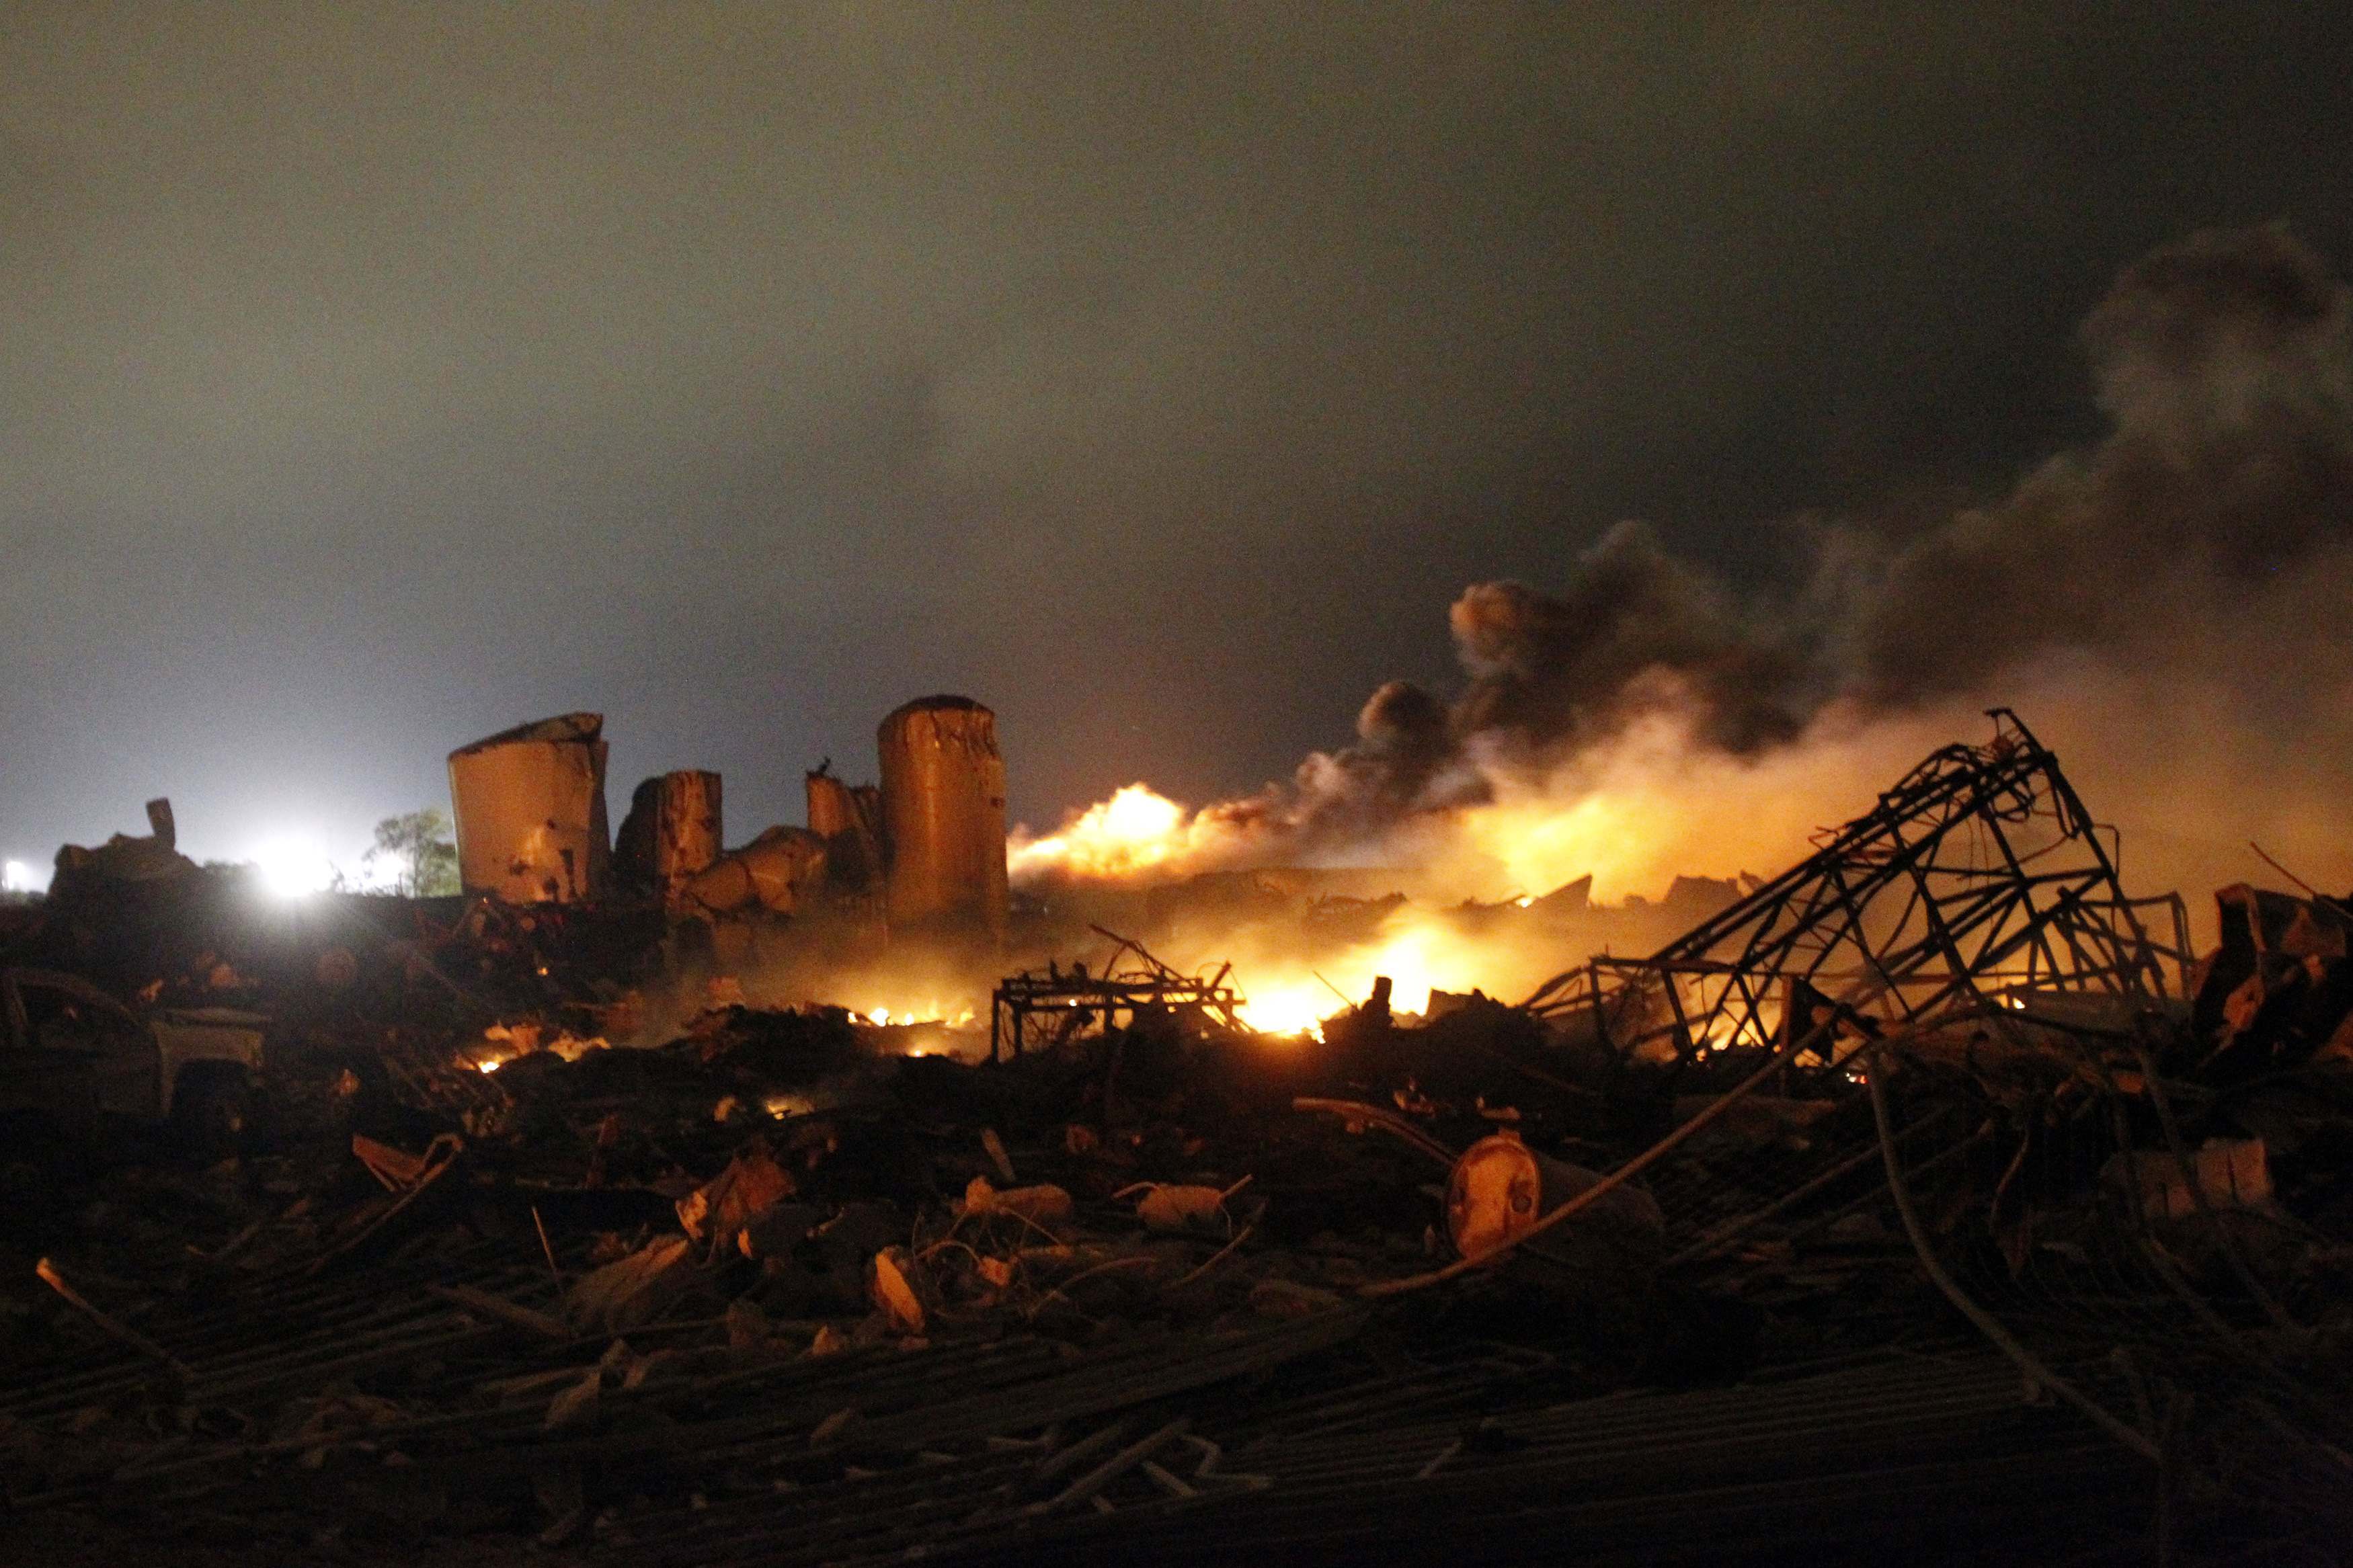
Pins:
x: 377, y: 377
x: 2165, y: 606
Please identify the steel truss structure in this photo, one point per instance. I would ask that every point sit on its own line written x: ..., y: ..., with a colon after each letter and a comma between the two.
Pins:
x: 1033, y: 1009
x: 1977, y: 877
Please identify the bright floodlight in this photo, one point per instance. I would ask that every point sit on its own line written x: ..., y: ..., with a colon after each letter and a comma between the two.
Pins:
x: 17, y: 878
x: 292, y: 868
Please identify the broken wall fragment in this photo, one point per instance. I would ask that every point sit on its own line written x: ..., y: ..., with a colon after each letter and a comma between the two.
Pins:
x: 849, y: 821
x: 777, y: 871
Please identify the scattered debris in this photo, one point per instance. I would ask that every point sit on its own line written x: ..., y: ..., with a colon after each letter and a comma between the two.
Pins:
x: 1929, y: 1192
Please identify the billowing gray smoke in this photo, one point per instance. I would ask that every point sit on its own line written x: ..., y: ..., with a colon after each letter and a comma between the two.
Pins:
x: 1563, y: 668
x: 2209, y: 536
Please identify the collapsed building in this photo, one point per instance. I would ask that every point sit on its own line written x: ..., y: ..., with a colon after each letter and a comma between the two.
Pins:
x: 1928, y: 1197
x: 895, y: 895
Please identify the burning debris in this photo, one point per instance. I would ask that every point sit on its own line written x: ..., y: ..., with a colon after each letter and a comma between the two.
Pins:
x: 1976, y: 880
x: 1931, y: 1178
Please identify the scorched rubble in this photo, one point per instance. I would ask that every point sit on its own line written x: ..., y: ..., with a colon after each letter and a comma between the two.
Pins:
x: 1997, y: 1254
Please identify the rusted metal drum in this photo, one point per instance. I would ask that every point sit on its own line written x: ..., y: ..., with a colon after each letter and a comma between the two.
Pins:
x: 943, y: 820
x: 1500, y: 1187
x: 529, y: 809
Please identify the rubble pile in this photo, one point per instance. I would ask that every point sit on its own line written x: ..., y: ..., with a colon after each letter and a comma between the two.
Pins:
x: 1930, y: 1198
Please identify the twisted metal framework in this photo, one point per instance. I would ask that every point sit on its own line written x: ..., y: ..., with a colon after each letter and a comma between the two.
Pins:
x: 1979, y: 875
x: 1031, y: 1009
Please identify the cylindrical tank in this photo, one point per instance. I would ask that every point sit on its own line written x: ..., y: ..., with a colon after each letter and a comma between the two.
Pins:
x: 674, y: 830
x: 1500, y: 1187
x: 530, y: 810
x: 943, y: 820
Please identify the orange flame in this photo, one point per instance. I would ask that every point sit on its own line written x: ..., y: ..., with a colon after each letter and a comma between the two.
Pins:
x: 1137, y: 832
x: 1633, y: 812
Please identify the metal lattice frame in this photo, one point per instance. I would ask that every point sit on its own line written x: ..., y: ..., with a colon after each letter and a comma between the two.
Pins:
x: 1978, y: 875
x: 1033, y: 1010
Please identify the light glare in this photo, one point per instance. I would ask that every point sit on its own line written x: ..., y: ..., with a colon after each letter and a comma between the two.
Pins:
x: 293, y: 867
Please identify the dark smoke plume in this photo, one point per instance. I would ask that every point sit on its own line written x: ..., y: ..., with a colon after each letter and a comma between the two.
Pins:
x: 2208, y: 537
x: 2224, y: 491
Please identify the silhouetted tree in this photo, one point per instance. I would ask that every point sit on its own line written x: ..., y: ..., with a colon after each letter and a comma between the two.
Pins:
x: 419, y: 844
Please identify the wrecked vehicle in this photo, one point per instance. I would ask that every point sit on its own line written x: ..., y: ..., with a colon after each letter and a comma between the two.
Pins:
x: 82, y: 1061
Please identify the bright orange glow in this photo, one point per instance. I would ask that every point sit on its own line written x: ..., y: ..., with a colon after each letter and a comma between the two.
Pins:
x: 1633, y: 813
x: 1418, y: 952
x: 933, y: 1011
x: 508, y: 1041
x: 1137, y: 830
x: 1290, y: 1008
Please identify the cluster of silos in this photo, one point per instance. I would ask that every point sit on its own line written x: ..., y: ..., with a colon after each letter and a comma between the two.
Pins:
x: 929, y: 843
x: 528, y: 805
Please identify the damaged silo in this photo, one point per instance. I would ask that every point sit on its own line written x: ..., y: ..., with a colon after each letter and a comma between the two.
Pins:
x: 529, y: 809
x: 672, y: 831
x: 780, y: 871
x: 849, y: 821
x: 944, y: 819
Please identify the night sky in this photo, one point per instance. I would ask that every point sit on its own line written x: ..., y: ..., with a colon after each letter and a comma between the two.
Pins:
x: 376, y: 377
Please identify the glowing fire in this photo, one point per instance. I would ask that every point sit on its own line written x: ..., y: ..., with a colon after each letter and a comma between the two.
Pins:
x: 1137, y: 830
x: 1622, y: 827
x: 1632, y: 813
x: 1290, y: 1009
x: 933, y: 1011
x: 1417, y: 952
x: 505, y: 1042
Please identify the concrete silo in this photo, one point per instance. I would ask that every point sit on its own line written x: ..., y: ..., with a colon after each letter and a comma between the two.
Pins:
x: 943, y: 820
x: 529, y: 809
x: 674, y: 830
x: 849, y: 820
